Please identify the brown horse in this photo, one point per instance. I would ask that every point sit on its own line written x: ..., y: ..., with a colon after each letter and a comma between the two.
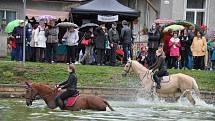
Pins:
x: 83, y: 102
x: 176, y: 85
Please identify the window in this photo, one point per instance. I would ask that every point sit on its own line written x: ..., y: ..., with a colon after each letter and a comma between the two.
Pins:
x: 198, y: 4
x: 8, y: 15
x: 1, y: 16
x: 196, y: 11
x: 190, y: 16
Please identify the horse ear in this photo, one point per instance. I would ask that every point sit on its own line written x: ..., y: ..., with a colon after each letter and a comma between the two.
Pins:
x: 27, y: 84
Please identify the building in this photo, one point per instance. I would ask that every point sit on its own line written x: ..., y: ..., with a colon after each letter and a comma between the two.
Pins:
x: 196, y: 11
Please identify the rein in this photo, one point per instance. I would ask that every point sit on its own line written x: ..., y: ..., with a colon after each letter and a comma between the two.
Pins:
x: 45, y: 96
x: 54, y: 92
x: 144, y: 75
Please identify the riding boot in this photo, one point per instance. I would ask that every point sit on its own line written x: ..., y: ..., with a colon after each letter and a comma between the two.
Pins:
x: 157, y: 80
x: 60, y: 103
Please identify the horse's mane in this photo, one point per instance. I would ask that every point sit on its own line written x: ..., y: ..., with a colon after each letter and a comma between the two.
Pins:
x: 42, y: 87
x: 139, y: 64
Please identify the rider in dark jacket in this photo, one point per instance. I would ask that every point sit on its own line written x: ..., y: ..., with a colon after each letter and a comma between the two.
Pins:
x: 160, y: 67
x: 70, y: 85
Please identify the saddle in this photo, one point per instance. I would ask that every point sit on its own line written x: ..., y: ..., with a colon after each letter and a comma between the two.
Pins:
x: 69, y: 102
x: 165, y: 79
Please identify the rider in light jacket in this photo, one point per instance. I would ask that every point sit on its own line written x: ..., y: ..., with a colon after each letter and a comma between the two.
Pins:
x: 159, y: 67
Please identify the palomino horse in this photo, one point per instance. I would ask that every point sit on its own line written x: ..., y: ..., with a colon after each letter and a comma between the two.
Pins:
x: 176, y: 86
x: 83, y: 102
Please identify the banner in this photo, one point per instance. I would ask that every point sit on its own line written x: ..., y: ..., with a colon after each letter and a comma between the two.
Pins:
x: 108, y: 18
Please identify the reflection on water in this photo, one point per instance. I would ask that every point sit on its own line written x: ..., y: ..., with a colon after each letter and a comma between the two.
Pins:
x: 15, y: 110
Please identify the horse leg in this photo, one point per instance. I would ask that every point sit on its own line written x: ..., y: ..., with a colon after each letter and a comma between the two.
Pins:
x: 188, y: 94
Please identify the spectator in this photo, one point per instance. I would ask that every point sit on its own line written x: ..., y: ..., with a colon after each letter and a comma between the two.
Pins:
x: 114, y: 41
x: 88, y: 54
x: 142, y: 56
x: 213, y: 56
x: 198, y: 49
x: 28, y: 32
x: 52, y: 42
x: 174, y: 45
x: 126, y: 38
x: 40, y: 41
x: 81, y: 48
x: 184, y: 49
x: 33, y: 44
x: 190, y: 41
x: 100, y: 38
x: 211, y: 46
x: 72, y: 38
x: 18, y: 33
x: 12, y: 45
x: 166, y: 49
x: 153, y: 43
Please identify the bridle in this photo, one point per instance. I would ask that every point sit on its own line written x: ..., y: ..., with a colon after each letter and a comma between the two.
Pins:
x: 127, y: 71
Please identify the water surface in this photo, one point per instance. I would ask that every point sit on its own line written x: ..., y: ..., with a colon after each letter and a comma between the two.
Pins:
x: 140, y: 110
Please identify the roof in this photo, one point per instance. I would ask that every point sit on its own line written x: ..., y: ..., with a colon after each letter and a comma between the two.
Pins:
x: 36, y: 13
x: 105, y: 7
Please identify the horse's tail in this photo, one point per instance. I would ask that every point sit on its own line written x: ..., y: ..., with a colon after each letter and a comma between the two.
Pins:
x: 108, y: 105
x: 195, y: 87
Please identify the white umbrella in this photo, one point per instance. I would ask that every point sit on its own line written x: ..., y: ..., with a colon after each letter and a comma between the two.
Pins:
x: 174, y: 28
x: 67, y: 24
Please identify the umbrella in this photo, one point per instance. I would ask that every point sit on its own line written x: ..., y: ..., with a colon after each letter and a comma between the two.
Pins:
x: 67, y: 24
x: 210, y: 35
x: 88, y: 25
x: 164, y: 21
x: 47, y: 18
x: 174, y: 28
x: 11, y: 25
x: 184, y: 23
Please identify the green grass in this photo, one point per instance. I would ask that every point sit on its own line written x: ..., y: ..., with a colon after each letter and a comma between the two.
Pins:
x: 88, y: 75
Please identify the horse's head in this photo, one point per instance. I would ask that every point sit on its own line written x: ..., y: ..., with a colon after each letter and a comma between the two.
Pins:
x: 127, y: 68
x: 30, y: 94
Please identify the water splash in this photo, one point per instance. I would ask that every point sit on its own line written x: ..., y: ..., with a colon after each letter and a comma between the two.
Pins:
x: 183, y: 102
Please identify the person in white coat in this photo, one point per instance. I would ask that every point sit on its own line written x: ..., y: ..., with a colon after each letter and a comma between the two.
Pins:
x: 71, y: 37
x: 40, y: 41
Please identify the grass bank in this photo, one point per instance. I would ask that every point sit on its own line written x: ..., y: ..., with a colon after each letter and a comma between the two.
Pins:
x: 88, y: 75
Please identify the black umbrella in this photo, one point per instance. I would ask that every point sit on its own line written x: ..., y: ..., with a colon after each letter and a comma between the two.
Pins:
x: 88, y: 25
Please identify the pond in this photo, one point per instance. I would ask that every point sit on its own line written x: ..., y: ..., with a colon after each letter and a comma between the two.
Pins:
x: 139, y: 110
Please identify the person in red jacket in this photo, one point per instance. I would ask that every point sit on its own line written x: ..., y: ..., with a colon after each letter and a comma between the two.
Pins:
x: 12, y: 45
x: 166, y: 49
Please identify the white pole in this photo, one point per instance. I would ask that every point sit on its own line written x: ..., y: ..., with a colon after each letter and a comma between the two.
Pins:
x: 24, y: 36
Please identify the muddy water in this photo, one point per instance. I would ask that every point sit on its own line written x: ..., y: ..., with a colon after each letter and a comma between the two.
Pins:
x: 140, y: 110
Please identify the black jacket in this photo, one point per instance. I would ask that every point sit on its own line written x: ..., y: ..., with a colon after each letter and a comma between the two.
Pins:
x: 126, y: 35
x: 100, y: 38
x: 113, y: 36
x: 154, y: 39
x: 70, y: 83
x: 160, y: 63
x: 18, y: 34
